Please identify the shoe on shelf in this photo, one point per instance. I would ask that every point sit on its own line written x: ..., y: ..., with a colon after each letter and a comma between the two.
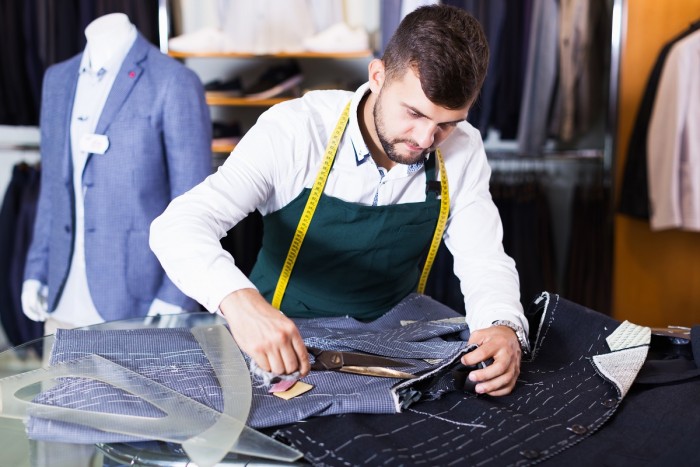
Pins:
x: 275, y: 81
x: 227, y: 88
x: 338, y: 38
x: 202, y: 40
x: 225, y: 130
x: 225, y: 136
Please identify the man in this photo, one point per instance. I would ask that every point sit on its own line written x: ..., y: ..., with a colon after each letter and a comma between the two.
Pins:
x: 363, y: 246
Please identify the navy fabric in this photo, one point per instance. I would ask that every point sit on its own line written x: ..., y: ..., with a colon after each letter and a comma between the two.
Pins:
x: 412, y: 331
x: 656, y: 423
x: 16, y: 220
x: 560, y: 399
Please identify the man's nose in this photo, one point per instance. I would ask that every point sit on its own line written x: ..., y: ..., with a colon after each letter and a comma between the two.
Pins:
x: 425, y: 135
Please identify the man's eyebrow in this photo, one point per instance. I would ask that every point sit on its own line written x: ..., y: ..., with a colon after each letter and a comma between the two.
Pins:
x: 418, y: 112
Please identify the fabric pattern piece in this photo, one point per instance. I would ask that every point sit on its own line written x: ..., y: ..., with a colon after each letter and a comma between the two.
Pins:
x: 559, y: 400
x: 629, y: 335
x: 336, y: 392
x: 173, y: 357
x: 621, y: 367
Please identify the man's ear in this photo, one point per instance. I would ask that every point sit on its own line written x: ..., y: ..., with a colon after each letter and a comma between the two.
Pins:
x: 376, y: 75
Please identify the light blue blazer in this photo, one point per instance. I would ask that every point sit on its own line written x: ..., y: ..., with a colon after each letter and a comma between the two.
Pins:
x: 159, y: 131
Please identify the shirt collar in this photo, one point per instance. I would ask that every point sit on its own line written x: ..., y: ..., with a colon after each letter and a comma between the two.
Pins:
x: 358, y: 143
x: 362, y: 154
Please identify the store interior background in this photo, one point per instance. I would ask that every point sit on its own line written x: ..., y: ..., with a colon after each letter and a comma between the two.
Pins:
x: 649, y: 278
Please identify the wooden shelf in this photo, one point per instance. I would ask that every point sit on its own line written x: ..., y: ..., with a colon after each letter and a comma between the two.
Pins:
x: 222, y: 148
x: 339, y: 55
x: 244, y: 101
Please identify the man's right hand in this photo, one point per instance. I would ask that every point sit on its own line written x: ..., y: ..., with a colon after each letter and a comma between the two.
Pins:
x: 35, y: 300
x: 271, y: 339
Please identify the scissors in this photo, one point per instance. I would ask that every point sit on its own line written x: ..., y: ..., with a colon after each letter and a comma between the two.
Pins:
x: 357, y: 363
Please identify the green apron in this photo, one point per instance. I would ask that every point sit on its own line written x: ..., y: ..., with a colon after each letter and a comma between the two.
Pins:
x: 355, y: 260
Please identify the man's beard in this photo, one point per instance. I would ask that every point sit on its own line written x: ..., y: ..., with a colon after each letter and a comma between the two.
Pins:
x: 390, y: 146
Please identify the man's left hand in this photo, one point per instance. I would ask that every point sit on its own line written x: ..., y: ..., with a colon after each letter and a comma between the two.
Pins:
x: 501, y: 344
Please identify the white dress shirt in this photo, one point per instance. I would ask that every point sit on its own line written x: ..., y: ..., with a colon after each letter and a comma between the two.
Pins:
x: 281, y: 155
x: 75, y: 305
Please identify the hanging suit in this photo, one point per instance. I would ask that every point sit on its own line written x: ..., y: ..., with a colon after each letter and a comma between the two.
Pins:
x: 159, y: 132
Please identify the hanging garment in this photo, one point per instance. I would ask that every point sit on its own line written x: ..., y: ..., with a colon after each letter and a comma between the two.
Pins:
x: 540, y: 77
x: 588, y: 275
x: 527, y: 230
x: 579, y: 99
x: 511, y: 69
x: 673, y: 146
x: 42, y: 33
x: 16, y: 222
x: 491, y: 15
x: 634, y: 192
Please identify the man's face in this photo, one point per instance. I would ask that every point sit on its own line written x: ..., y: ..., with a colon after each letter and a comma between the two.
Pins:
x: 408, y: 124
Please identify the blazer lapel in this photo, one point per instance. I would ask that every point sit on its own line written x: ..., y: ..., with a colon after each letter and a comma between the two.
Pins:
x: 65, y: 95
x: 126, y: 79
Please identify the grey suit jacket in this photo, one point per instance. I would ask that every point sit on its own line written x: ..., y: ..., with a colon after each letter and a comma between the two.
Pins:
x: 159, y: 131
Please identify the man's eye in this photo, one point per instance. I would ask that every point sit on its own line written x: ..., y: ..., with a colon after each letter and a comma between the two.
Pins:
x: 413, y: 114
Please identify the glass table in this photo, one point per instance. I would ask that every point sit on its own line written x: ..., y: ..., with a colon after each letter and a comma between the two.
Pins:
x: 19, y: 451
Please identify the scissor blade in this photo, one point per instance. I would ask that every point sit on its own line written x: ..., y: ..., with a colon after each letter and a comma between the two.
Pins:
x: 377, y: 371
x: 367, y: 360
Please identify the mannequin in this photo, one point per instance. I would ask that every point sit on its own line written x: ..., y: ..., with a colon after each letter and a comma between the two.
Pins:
x: 131, y: 150
x: 106, y: 36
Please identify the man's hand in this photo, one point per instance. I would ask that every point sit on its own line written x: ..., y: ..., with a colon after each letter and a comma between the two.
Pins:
x: 501, y: 344
x: 271, y: 339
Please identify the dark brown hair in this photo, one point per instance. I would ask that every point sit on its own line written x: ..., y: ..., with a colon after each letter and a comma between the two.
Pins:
x: 447, y: 49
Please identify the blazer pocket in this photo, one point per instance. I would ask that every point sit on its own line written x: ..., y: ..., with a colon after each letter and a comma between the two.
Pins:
x: 144, y: 274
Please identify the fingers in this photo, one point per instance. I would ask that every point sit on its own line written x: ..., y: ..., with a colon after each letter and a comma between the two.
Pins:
x: 278, y: 348
x: 497, y: 379
x: 502, y: 345
x: 271, y: 339
x: 302, y: 355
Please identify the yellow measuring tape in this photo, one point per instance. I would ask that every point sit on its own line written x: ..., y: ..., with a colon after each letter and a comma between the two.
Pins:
x: 315, y: 196
x: 440, y: 227
x: 310, y: 207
